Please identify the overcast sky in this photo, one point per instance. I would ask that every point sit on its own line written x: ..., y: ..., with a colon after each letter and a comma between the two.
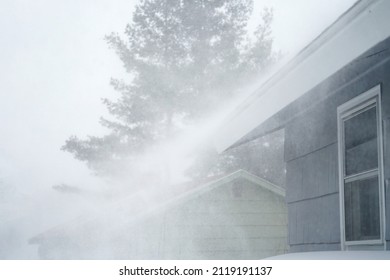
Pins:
x: 55, y: 67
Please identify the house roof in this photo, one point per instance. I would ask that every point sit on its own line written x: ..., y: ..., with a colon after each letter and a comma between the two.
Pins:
x: 360, y: 28
x: 132, y: 209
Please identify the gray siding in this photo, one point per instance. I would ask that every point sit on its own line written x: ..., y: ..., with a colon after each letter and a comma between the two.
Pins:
x: 386, y: 141
x: 311, y: 151
x: 314, y: 221
x: 315, y: 247
x: 313, y: 175
x: 317, y: 127
x: 313, y: 201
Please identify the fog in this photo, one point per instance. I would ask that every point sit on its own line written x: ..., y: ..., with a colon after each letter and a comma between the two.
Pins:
x: 55, y: 69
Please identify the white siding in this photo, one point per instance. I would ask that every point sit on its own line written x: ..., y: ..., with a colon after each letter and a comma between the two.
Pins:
x: 234, y: 221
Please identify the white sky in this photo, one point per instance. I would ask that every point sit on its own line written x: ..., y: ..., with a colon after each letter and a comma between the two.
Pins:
x: 297, y: 22
x: 55, y: 67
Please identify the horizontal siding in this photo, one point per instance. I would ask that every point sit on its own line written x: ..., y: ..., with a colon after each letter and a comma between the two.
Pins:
x: 313, y: 175
x: 315, y: 247
x: 311, y: 131
x: 314, y: 115
x: 215, y: 231
x: 232, y: 244
x: 219, y: 225
x: 312, y: 161
x: 234, y: 221
x: 235, y: 206
x: 314, y: 220
x: 227, y: 219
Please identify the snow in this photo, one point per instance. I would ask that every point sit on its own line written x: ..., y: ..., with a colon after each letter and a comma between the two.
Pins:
x: 335, y: 255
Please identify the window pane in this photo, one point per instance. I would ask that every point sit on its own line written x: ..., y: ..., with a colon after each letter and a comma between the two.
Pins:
x: 361, y: 145
x: 362, y: 221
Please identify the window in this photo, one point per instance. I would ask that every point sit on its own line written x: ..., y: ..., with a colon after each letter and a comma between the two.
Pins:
x: 360, y: 156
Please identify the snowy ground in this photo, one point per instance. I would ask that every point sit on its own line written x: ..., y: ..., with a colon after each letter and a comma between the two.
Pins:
x: 335, y: 255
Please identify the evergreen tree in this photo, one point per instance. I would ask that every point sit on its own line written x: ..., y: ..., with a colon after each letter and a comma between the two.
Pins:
x: 183, y: 57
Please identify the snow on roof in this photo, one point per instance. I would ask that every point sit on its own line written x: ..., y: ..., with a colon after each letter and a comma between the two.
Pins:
x: 360, y: 28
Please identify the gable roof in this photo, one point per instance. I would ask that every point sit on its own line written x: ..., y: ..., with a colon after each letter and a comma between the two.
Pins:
x: 227, y: 179
x: 134, y: 214
x: 360, y: 28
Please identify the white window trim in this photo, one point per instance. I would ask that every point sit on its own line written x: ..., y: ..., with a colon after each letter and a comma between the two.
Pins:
x: 348, y: 109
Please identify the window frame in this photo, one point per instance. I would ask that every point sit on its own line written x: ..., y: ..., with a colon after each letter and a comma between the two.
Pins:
x: 346, y: 111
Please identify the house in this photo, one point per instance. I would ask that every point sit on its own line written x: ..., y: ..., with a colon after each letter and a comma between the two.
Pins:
x: 333, y: 103
x: 238, y: 216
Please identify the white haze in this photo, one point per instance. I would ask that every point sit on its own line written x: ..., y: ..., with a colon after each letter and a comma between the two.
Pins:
x: 54, y: 69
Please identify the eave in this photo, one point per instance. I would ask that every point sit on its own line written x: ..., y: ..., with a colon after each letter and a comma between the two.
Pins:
x: 360, y: 28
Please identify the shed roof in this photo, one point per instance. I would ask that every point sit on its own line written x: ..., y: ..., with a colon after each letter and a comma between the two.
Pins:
x: 128, y: 209
x: 360, y: 28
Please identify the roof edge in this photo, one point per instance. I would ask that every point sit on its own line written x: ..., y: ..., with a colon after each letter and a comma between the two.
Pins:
x: 357, y: 30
